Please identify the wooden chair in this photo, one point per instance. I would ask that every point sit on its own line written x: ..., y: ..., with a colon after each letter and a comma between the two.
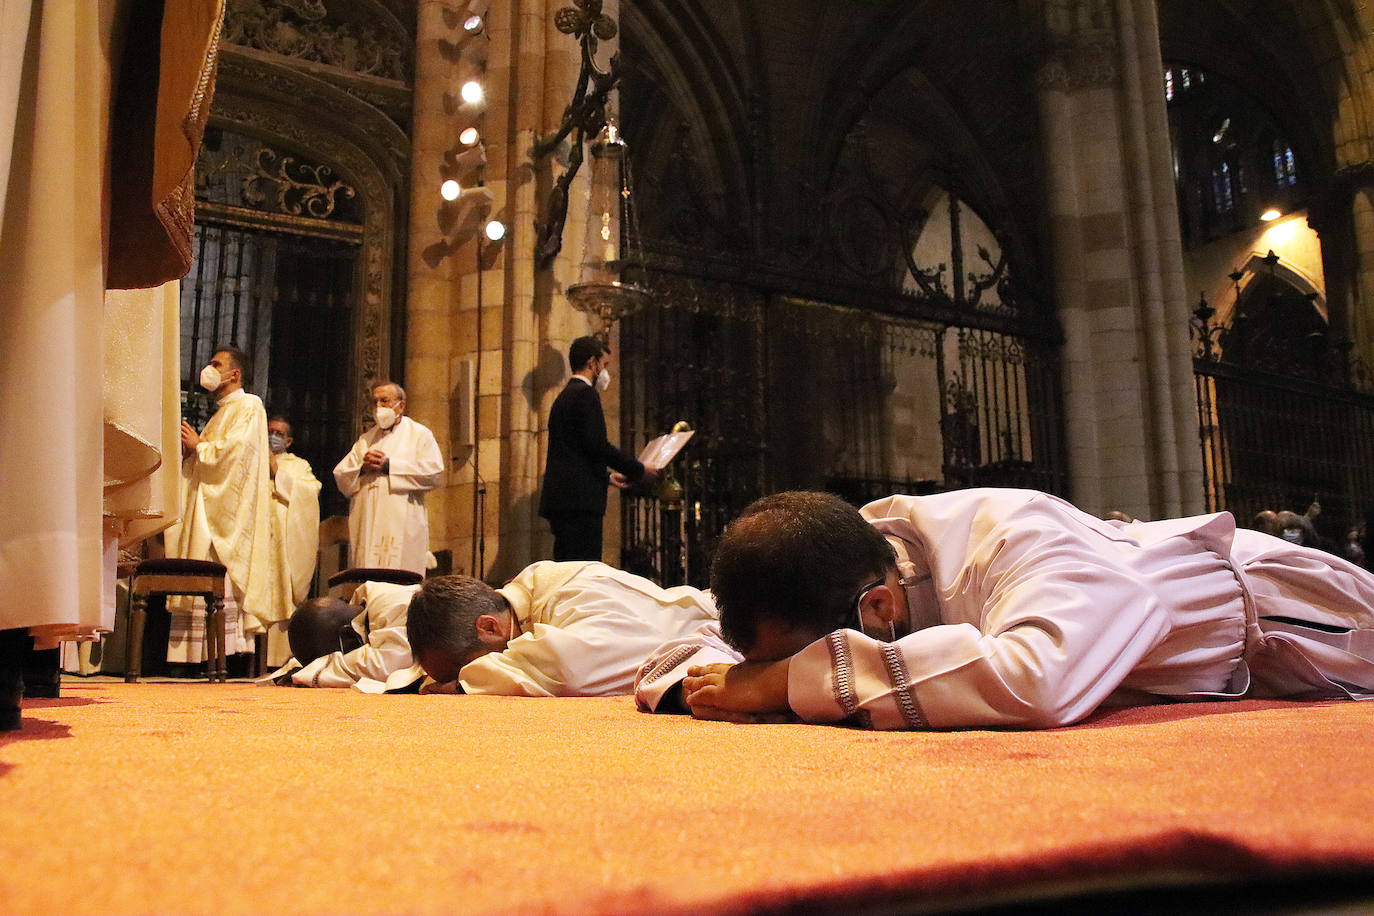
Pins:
x: 342, y: 583
x: 161, y: 578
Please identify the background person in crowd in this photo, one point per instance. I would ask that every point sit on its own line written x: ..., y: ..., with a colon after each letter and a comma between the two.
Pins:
x: 557, y: 629
x: 1267, y: 521
x: 573, y: 498
x: 385, y: 476
x: 295, y: 523
x: 1298, y: 529
x: 1010, y: 608
x: 226, y: 513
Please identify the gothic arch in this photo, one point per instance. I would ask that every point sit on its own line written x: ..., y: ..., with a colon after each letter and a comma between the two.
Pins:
x: 907, y: 69
x: 676, y: 58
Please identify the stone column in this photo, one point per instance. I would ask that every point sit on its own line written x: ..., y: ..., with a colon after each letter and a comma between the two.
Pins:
x: 434, y: 288
x: 1131, y: 425
x: 514, y: 397
x: 1361, y: 321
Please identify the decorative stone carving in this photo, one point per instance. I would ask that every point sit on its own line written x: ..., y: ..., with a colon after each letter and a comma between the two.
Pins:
x: 375, y: 194
x: 1080, y: 45
x: 314, y: 196
x: 301, y: 29
x: 279, y: 85
x: 241, y: 172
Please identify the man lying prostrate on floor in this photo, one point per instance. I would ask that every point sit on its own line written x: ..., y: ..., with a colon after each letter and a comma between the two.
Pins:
x: 1008, y: 608
x: 569, y: 629
x: 362, y: 644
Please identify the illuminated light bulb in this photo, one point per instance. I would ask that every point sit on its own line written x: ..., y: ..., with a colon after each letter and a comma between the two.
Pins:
x: 468, y: 137
x: 471, y: 92
x: 496, y: 230
x: 472, y: 25
x: 450, y: 190
x: 1270, y: 215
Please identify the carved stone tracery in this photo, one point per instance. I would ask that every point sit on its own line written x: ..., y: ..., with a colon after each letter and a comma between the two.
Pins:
x: 303, y: 29
x: 1080, y: 44
x: 239, y: 172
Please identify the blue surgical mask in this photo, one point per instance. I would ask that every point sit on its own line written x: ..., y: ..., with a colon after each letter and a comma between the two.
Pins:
x: 276, y: 442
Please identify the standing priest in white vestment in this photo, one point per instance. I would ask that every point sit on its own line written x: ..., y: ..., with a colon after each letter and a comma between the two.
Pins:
x: 1000, y: 607
x: 226, y: 511
x: 577, y: 628
x: 386, y: 475
x: 295, y: 524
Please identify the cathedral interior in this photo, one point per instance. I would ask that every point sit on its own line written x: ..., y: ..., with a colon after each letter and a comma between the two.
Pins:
x: 1119, y: 252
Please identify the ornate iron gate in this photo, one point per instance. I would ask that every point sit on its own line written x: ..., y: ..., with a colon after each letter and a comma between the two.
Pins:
x: 1285, y: 416
x: 786, y: 393
x: 1276, y: 442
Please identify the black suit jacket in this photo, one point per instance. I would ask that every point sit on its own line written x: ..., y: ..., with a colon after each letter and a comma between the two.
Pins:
x: 575, y: 477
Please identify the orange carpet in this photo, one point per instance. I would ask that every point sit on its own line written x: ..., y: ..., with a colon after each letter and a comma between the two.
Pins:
x: 186, y: 797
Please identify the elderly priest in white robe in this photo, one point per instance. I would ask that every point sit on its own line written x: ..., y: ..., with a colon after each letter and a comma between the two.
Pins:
x: 1010, y: 608
x: 386, y: 475
x: 572, y: 629
x: 227, y: 513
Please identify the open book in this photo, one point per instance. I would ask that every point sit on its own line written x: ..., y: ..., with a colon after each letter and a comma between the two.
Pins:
x: 660, y: 451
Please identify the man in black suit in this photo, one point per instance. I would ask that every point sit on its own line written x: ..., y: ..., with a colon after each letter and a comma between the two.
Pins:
x: 575, y: 475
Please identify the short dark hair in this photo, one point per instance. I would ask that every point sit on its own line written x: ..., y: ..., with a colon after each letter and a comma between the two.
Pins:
x: 278, y: 418
x: 443, y: 615
x: 795, y: 558
x: 322, y: 626
x: 584, y: 350
x: 242, y: 361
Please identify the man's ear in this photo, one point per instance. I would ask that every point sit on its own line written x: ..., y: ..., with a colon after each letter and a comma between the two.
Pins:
x: 490, y: 631
x: 881, y: 601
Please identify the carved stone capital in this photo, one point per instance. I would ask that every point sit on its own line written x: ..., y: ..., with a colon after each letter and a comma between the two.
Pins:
x: 1081, y: 47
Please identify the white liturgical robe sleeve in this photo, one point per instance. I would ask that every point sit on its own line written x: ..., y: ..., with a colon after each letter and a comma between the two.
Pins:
x: 669, y: 664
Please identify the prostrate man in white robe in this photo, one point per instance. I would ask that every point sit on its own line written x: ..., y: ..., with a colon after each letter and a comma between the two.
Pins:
x: 227, y: 509
x: 1008, y: 608
x: 360, y: 644
x: 295, y: 524
x: 385, y: 475
x: 577, y: 628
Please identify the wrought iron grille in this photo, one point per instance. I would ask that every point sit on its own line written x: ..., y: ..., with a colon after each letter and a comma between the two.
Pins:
x: 791, y: 394
x: 1276, y: 442
x: 695, y: 357
x: 1285, y: 414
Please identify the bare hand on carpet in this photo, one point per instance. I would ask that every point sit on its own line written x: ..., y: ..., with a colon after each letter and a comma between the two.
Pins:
x: 747, y: 692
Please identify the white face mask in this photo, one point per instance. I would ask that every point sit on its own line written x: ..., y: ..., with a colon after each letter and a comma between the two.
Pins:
x: 1293, y: 535
x: 603, y: 380
x: 276, y: 442
x: 385, y: 416
x: 210, y: 379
